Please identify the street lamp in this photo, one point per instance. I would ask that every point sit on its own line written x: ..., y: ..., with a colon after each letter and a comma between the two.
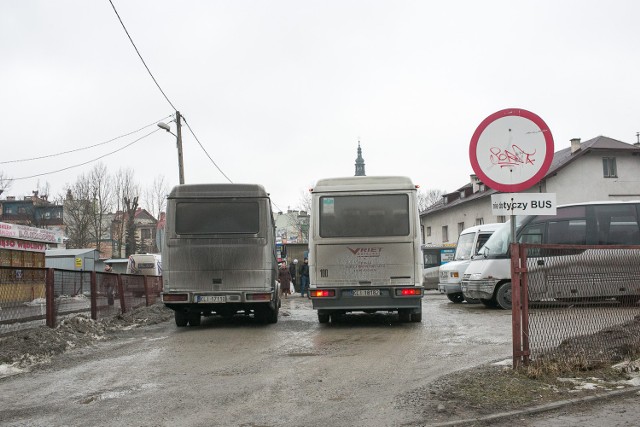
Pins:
x: 166, y: 127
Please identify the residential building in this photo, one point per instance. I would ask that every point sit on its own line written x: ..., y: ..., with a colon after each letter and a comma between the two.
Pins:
x: 292, y: 227
x: 599, y: 169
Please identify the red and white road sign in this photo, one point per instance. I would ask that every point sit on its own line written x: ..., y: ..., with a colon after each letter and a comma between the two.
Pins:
x: 511, y: 150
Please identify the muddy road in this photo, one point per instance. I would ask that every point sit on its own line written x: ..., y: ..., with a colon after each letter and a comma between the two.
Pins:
x: 362, y: 371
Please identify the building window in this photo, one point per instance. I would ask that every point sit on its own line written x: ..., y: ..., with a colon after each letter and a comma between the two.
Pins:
x: 609, y: 169
x: 145, y: 233
x: 479, y: 221
x: 460, y: 227
x: 22, y: 210
x: 8, y: 211
x: 445, y: 233
x: 502, y: 218
x: 428, y: 231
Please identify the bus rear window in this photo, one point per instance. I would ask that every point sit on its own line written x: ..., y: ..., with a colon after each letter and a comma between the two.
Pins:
x: 217, y: 218
x: 364, y: 216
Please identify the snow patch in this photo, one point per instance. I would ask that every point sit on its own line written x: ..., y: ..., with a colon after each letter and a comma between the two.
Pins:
x: 7, y: 370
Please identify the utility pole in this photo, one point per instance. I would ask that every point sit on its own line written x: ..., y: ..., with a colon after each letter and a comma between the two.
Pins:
x: 179, y: 142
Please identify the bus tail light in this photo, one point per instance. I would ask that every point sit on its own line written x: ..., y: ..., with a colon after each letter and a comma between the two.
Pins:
x: 259, y: 297
x: 323, y: 293
x: 175, y: 297
x: 405, y: 292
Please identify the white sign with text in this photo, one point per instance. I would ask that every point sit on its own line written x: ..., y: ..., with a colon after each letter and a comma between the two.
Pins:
x: 523, y: 204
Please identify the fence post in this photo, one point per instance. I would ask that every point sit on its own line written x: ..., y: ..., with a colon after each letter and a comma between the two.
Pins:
x: 123, y: 307
x: 50, y: 298
x: 94, y: 295
x: 146, y: 290
x: 525, y: 304
x: 516, y: 325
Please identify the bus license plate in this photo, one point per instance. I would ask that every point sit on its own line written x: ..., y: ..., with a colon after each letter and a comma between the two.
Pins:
x: 366, y: 293
x: 215, y: 299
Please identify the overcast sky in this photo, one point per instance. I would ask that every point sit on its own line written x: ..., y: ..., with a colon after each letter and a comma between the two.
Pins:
x: 280, y: 92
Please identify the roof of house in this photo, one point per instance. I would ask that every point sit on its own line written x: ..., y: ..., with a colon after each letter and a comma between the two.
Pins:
x: 561, y: 159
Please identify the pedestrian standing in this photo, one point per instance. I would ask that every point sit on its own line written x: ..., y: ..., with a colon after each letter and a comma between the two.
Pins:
x: 109, y: 284
x: 284, y: 277
x: 293, y: 271
x: 304, y: 278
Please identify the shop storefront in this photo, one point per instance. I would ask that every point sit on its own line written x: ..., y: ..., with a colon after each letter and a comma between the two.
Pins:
x: 22, y: 247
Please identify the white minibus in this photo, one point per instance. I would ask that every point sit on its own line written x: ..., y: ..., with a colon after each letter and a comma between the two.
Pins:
x: 364, y: 247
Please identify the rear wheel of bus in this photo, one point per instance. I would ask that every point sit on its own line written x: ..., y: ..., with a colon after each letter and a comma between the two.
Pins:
x: 182, y: 319
x: 268, y: 313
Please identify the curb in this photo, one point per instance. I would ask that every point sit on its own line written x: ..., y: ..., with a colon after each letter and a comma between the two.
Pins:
x: 537, y: 409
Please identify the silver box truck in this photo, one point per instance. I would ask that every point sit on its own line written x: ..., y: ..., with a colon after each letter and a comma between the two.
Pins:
x: 219, y: 253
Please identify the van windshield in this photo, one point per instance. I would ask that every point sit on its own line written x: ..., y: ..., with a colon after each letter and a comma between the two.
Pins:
x: 465, y: 247
x: 364, y: 215
x: 498, y: 243
x: 217, y: 217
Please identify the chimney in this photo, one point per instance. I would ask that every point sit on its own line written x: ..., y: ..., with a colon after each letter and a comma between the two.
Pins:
x: 475, y: 183
x: 575, y: 145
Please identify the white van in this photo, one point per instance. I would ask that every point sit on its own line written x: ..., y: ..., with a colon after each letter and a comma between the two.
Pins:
x: 488, y: 276
x: 145, y: 264
x: 469, y: 243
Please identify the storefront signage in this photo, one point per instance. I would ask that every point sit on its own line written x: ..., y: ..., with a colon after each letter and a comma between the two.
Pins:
x: 22, y: 232
x: 19, y: 245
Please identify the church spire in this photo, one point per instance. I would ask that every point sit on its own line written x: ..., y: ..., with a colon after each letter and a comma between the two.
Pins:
x: 359, y: 162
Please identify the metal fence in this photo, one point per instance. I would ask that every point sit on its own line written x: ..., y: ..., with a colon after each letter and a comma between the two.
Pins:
x: 32, y: 297
x: 575, y: 304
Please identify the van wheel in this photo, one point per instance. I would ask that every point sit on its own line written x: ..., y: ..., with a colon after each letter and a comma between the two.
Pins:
x: 405, y: 315
x: 503, y: 296
x: 323, y: 317
x: 456, y: 298
x: 472, y: 300
x: 194, y: 318
x: 489, y: 303
x: 416, y: 317
x: 181, y: 318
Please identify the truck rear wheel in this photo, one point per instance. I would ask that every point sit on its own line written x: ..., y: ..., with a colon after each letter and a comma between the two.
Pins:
x: 181, y: 318
x: 405, y: 315
x: 323, y: 317
x: 268, y: 314
x: 194, y: 318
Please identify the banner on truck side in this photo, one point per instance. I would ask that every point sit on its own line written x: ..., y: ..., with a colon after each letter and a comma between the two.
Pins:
x: 523, y: 204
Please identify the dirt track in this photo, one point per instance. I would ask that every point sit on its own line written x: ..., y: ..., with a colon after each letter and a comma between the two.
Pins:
x: 364, y: 371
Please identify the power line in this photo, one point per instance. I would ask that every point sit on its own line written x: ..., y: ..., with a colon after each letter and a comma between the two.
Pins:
x: 205, y: 151
x: 140, y: 56
x: 84, y: 148
x: 165, y: 96
x: 88, y: 161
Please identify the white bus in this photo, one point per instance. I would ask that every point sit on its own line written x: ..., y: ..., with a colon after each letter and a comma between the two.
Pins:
x: 364, y: 247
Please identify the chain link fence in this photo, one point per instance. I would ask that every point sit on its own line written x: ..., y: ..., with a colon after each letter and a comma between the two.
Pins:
x: 575, y: 304
x: 31, y: 297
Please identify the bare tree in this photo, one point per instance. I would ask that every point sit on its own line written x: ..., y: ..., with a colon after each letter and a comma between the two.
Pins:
x: 124, y: 188
x: 156, y: 196
x: 131, y: 205
x: 102, y: 195
x: 299, y: 221
x: 5, y: 182
x: 304, y: 204
x: 78, y: 213
x: 428, y: 198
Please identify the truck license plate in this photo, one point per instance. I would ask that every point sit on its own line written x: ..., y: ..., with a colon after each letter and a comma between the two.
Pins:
x: 366, y: 293
x: 215, y: 299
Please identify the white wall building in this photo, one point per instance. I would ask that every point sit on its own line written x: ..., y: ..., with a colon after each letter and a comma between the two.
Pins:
x: 596, y: 170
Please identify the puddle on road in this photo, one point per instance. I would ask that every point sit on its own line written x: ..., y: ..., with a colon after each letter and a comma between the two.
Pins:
x: 116, y: 394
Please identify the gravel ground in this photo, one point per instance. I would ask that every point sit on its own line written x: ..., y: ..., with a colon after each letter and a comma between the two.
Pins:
x: 465, y: 394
